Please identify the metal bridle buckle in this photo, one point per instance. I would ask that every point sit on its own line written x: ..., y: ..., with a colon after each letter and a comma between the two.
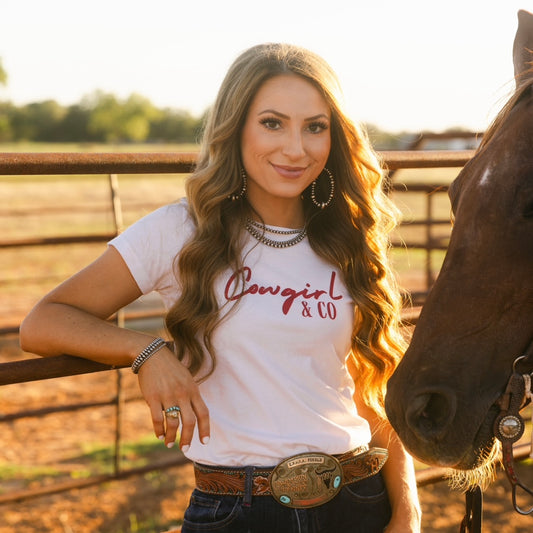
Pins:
x: 306, y: 480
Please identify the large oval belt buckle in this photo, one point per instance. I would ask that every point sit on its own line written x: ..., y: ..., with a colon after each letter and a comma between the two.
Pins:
x: 306, y: 480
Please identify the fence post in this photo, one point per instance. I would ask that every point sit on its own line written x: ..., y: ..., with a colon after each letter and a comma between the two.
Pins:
x: 118, y: 222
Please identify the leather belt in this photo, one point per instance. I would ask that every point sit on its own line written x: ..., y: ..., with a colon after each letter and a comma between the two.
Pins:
x: 300, y: 481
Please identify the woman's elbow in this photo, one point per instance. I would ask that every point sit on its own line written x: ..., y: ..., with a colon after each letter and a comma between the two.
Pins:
x: 25, y: 334
x: 29, y: 335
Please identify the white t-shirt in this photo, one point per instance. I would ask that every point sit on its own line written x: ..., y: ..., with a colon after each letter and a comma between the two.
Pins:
x: 280, y: 386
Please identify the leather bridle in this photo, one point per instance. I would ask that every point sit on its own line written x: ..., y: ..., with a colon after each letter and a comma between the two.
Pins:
x: 509, y: 425
x: 508, y: 428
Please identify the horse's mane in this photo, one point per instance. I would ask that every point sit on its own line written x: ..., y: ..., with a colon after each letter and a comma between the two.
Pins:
x: 522, y: 87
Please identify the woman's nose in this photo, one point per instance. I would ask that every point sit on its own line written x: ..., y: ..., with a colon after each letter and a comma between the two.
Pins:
x: 294, y: 146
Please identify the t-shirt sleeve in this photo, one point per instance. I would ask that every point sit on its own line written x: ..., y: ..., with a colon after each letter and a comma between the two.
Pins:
x: 151, y: 244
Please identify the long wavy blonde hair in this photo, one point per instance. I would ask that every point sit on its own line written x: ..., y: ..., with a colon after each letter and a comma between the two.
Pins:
x: 351, y: 233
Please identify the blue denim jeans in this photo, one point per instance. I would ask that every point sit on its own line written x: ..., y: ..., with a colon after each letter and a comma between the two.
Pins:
x: 361, y: 507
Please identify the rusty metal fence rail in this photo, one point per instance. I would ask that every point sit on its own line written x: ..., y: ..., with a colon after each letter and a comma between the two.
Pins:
x: 156, y: 163
x: 113, y: 164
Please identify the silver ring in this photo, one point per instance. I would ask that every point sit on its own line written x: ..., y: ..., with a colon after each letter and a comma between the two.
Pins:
x: 173, y: 412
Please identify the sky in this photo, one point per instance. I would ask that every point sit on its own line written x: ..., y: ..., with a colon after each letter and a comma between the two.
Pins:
x: 407, y: 65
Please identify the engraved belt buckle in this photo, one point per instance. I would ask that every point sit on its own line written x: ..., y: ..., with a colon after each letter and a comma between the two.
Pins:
x: 306, y: 480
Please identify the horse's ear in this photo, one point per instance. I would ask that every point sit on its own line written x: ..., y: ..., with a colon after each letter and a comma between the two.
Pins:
x: 523, y: 45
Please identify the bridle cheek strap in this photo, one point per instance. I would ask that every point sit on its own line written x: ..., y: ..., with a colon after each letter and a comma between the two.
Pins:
x: 509, y: 425
x: 508, y: 428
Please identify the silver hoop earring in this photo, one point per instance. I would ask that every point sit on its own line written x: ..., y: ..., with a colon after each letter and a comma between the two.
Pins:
x: 323, y: 205
x: 242, y: 192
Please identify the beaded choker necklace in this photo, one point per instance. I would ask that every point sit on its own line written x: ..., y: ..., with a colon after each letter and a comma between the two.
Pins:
x: 258, y: 231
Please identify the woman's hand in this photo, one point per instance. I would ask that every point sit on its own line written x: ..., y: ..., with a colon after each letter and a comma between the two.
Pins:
x: 407, y: 522
x: 165, y: 382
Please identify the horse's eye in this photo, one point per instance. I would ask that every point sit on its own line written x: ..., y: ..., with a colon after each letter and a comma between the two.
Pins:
x: 528, y: 210
x: 453, y: 193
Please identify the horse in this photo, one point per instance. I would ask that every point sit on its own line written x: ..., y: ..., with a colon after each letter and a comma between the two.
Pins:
x: 446, y: 394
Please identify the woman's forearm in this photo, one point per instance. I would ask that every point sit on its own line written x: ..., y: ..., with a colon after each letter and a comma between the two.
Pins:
x: 56, y: 328
x: 400, y: 479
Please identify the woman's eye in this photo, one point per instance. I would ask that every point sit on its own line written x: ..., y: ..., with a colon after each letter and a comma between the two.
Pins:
x: 317, y: 127
x: 271, y: 123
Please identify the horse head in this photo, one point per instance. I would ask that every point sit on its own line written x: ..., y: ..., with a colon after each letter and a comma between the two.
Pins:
x: 478, y: 317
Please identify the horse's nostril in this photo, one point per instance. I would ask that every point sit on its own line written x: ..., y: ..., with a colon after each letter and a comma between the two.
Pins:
x: 430, y: 414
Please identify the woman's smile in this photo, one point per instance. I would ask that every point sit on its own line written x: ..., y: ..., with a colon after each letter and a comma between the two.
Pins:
x: 289, y: 172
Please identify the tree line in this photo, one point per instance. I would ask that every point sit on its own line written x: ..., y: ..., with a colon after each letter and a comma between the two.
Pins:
x: 98, y: 117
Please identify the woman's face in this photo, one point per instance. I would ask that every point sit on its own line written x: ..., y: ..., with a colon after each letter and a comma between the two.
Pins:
x: 285, y: 142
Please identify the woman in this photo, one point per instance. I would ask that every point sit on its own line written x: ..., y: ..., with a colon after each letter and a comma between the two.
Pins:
x: 280, y: 299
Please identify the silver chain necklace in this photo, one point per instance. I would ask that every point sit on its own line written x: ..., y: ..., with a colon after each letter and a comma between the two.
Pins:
x: 258, y: 231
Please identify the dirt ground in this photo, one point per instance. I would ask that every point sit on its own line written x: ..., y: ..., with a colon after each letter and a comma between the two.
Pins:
x: 43, y: 450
